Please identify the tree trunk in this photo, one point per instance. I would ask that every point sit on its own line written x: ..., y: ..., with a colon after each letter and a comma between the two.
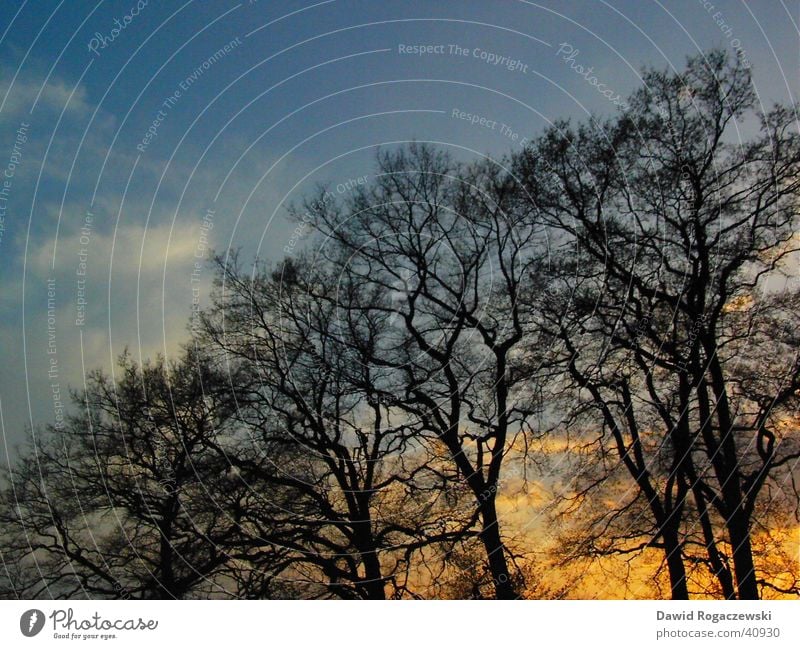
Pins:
x: 495, y: 551
x: 373, y: 583
x: 675, y: 566
x: 743, y: 565
x: 720, y: 570
x: 737, y: 521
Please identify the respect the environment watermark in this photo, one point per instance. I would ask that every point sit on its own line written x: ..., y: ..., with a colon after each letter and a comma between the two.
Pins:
x: 172, y: 100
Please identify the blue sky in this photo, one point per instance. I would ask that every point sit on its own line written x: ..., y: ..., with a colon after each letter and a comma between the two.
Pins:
x: 304, y: 94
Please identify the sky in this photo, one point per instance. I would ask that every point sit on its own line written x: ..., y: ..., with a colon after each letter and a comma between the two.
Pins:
x: 136, y: 136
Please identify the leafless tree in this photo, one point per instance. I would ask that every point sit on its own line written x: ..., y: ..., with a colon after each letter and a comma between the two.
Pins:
x: 344, y: 422
x: 678, y: 334
x: 360, y: 497
x: 445, y: 257
x: 120, y: 502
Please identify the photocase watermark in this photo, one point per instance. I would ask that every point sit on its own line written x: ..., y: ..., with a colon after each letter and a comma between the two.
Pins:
x: 382, y: 399
x: 67, y: 626
x: 14, y: 161
x: 402, y: 289
x: 122, y: 592
x: 453, y: 49
x: 102, y: 41
x: 168, y: 481
x: 694, y: 333
x: 642, y: 327
x: 570, y: 55
x: 492, y: 490
x: 200, y: 256
x: 645, y: 328
x: 172, y: 100
x: 31, y: 622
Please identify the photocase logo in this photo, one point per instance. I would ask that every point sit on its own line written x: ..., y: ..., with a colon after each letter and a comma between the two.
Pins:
x: 402, y: 289
x: 31, y: 622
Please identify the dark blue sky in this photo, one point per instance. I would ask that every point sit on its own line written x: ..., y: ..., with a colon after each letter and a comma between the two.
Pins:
x: 303, y: 94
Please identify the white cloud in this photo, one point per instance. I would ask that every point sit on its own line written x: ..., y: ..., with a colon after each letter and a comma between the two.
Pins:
x: 53, y: 96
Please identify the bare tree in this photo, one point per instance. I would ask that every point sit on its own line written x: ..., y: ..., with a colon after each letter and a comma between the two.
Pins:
x: 677, y: 334
x: 360, y: 498
x: 445, y: 257
x: 345, y: 421
x: 120, y: 503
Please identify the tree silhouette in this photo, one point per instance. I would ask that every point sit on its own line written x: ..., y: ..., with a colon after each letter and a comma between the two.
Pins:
x: 359, y: 497
x: 351, y: 422
x: 446, y: 256
x: 120, y: 503
x: 678, y: 337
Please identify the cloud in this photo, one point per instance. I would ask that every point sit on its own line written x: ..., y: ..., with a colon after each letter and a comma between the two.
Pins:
x: 18, y: 96
x: 138, y: 267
